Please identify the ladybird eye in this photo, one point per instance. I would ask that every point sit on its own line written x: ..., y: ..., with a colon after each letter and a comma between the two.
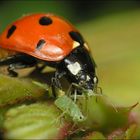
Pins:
x: 81, y: 82
x: 45, y: 20
x: 76, y: 37
x: 11, y: 31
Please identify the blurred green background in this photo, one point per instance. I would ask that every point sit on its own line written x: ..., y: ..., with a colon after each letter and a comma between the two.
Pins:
x: 112, y: 29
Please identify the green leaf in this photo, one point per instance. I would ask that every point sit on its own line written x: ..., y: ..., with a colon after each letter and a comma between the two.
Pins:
x: 35, y: 121
x: 95, y: 136
x: 102, y: 115
x: 14, y: 90
x: 136, y: 134
x: 2, y: 112
x: 129, y: 133
x: 118, y: 134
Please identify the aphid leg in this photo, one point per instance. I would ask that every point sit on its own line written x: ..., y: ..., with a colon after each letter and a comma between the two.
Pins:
x: 75, y: 95
x: 74, y: 91
x: 60, y: 117
x: 98, y: 92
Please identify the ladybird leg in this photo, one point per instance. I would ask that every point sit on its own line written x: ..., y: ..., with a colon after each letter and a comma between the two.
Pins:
x: 56, y: 85
x: 11, y: 71
x: 40, y: 68
x: 57, y: 77
x: 73, y: 91
x: 12, y: 67
x: 20, y: 61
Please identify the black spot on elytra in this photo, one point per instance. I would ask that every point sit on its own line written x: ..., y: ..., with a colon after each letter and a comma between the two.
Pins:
x: 11, y: 31
x: 40, y: 44
x: 45, y: 20
x: 76, y: 36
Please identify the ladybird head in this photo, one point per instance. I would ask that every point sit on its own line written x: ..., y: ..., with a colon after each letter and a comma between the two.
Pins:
x: 80, y: 68
x: 86, y: 80
x: 79, y: 64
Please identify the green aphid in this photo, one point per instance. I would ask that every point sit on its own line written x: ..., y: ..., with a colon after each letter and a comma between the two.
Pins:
x: 69, y: 107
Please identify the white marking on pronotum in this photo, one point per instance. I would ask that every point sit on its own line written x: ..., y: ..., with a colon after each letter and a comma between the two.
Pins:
x: 75, y: 44
x: 88, y: 78
x: 86, y: 46
x: 95, y: 79
x: 74, y: 68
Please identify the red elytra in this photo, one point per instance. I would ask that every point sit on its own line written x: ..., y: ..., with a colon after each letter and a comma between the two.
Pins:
x: 26, y: 33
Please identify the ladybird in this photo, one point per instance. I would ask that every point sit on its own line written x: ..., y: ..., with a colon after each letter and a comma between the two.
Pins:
x: 49, y: 39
